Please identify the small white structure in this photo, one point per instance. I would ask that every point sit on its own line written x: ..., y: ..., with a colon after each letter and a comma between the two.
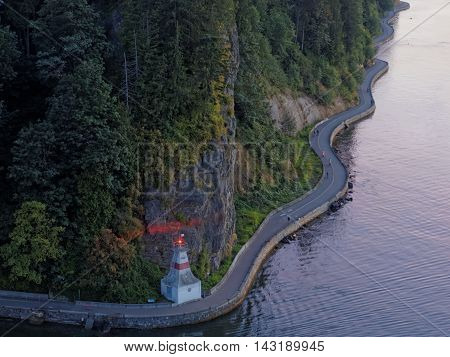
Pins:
x: 180, y: 285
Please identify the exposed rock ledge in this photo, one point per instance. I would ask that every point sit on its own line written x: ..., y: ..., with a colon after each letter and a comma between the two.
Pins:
x: 292, y: 112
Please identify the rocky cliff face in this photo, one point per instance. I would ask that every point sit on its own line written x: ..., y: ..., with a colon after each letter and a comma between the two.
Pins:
x: 292, y: 112
x: 205, y: 205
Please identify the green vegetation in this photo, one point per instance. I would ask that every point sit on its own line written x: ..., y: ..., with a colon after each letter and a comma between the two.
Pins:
x: 34, y: 244
x: 79, y: 91
x: 73, y: 151
x: 288, y: 181
x: 177, y: 59
x: 316, y: 47
x: 202, y: 268
x: 286, y: 178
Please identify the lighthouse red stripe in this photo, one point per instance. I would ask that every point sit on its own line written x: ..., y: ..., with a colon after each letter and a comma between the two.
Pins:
x: 181, y: 266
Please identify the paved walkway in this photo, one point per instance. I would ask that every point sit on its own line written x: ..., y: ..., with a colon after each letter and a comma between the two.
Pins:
x: 333, y: 181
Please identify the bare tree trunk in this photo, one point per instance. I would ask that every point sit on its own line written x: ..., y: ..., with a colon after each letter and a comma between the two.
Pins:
x: 27, y: 41
x: 126, y: 79
x: 136, y: 57
x: 303, y: 38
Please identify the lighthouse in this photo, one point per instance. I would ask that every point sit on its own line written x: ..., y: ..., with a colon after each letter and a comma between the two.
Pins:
x: 180, y: 285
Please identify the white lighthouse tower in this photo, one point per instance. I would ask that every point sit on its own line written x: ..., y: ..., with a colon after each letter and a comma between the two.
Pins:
x: 180, y: 285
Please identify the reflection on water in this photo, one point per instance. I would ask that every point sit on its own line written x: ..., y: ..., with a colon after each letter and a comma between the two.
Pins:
x: 381, y: 265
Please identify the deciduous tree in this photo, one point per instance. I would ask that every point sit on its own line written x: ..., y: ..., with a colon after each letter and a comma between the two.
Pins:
x: 34, y: 245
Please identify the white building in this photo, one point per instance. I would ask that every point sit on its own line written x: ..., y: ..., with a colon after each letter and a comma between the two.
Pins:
x: 180, y: 285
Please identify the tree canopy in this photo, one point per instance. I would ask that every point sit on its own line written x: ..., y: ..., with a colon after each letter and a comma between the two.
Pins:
x: 34, y: 246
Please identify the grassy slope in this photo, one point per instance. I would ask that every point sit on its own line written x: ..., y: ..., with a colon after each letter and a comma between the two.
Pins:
x: 254, y: 205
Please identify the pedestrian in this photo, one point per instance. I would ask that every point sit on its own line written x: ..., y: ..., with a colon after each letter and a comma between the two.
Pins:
x: 327, y: 174
x: 329, y: 161
x: 323, y: 153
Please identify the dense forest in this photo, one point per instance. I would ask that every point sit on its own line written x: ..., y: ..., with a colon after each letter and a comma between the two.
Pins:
x: 83, y: 84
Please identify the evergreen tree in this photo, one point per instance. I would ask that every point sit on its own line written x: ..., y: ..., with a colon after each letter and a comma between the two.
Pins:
x: 68, y: 33
x: 386, y: 4
x: 78, y: 159
x: 371, y: 17
x: 182, y: 53
x: 20, y: 14
x: 9, y: 55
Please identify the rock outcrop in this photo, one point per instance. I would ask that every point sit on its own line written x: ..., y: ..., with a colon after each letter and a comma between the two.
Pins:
x: 292, y: 112
x: 206, y: 202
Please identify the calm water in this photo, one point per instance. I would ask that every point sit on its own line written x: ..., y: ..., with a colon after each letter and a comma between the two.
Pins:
x: 381, y: 265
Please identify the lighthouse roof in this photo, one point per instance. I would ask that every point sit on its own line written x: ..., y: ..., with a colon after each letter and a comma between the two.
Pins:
x: 180, y: 278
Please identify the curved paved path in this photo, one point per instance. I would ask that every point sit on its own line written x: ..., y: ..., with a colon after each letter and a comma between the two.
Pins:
x: 234, y: 287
